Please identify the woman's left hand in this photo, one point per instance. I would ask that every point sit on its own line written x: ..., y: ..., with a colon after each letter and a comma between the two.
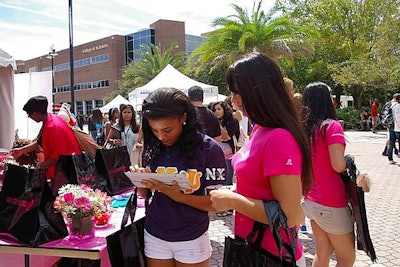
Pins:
x: 173, y: 191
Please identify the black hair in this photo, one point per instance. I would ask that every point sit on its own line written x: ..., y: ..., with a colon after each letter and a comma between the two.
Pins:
x: 121, y: 124
x: 228, y: 112
x: 258, y: 79
x: 319, y: 110
x: 111, y: 113
x: 196, y: 93
x: 166, y: 103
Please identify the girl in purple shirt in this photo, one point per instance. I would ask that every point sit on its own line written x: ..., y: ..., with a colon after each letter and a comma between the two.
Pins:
x: 176, y: 226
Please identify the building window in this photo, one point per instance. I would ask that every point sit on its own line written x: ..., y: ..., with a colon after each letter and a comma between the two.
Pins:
x: 89, y: 107
x: 79, y: 107
x: 98, y: 103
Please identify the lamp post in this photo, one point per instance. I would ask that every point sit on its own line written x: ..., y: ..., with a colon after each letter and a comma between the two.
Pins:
x: 52, y: 54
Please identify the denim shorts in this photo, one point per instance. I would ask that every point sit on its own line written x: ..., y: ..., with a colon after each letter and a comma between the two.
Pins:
x: 336, y: 221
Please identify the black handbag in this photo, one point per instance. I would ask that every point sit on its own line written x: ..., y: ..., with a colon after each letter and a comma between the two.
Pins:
x: 75, y: 169
x: 111, y: 165
x: 356, y: 200
x: 126, y: 246
x: 247, y: 252
x: 26, y: 207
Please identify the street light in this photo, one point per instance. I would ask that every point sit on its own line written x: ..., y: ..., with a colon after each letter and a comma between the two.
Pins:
x: 52, y: 54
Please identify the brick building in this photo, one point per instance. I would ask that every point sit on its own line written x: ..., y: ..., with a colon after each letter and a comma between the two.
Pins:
x: 98, y: 65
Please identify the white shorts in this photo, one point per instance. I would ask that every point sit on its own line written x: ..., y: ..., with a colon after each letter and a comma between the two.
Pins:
x: 189, y: 252
x: 337, y: 221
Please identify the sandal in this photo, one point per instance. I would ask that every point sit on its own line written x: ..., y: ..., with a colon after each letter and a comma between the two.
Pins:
x: 222, y: 214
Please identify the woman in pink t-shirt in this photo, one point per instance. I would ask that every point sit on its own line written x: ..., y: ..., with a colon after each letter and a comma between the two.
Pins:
x: 275, y: 164
x: 326, y: 203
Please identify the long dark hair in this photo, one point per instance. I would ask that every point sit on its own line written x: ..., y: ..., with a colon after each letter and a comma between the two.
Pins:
x: 121, y: 124
x: 228, y: 112
x: 166, y: 103
x: 259, y: 81
x: 111, y: 112
x: 319, y: 109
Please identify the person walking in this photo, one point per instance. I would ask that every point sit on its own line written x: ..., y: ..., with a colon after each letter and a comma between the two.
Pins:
x: 265, y: 171
x: 394, y: 130
x: 375, y: 115
x: 326, y: 204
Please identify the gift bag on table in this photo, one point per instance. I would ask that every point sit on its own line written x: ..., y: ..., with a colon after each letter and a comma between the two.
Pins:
x: 75, y: 169
x: 111, y: 165
x: 26, y: 207
x: 126, y: 246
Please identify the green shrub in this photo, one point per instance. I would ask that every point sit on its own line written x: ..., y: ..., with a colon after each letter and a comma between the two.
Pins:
x: 350, y: 116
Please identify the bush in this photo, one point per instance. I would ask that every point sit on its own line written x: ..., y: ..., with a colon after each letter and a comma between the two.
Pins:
x: 350, y: 116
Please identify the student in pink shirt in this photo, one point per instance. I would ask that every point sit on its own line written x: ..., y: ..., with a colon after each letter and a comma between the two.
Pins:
x: 326, y: 203
x: 275, y: 164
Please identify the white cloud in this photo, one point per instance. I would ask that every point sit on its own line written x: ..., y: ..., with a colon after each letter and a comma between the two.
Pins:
x: 29, y: 27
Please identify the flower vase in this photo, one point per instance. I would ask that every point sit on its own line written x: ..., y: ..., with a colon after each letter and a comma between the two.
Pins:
x: 80, y: 227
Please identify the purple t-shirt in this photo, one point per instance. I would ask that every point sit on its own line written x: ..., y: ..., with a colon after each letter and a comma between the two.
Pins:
x: 269, y: 152
x: 173, y: 221
x: 327, y: 188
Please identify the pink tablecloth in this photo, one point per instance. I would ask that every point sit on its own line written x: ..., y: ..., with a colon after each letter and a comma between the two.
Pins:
x: 97, y: 243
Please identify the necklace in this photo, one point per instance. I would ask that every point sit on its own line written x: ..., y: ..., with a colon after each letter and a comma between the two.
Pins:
x: 126, y: 132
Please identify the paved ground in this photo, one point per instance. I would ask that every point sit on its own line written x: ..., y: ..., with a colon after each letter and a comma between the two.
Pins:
x: 382, y: 204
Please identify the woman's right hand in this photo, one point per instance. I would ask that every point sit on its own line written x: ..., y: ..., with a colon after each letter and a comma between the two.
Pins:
x: 142, y: 191
x: 17, y: 152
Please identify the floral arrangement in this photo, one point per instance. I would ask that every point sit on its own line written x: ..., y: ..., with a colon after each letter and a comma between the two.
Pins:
x: 81, y: 201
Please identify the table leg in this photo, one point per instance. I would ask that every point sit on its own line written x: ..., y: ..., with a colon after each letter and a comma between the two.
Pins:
x: 26, y: 259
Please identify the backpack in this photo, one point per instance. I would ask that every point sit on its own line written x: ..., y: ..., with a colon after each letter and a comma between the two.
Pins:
x: 387, y: 120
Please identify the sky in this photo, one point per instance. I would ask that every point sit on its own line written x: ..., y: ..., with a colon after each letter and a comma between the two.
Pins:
x: 29, y: 27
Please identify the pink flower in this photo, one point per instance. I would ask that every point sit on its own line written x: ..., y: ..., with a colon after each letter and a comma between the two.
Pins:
x: 83, y: 203
x: 69, y: 198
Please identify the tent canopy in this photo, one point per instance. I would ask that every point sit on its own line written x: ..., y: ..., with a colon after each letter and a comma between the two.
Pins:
x: 169, y: 77
x: 118, y: 100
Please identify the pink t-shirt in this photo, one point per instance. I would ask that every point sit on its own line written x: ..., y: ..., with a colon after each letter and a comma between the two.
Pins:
x: 268, y: 152
x: 327, y: 188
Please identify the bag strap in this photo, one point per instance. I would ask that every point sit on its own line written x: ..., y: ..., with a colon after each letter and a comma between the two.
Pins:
x: 277, y: 219
x: 130, y: 209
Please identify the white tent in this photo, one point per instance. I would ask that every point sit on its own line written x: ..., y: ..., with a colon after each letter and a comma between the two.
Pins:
x: 26, y: 86
x: 170, y: 77
x: 118, y: 100
x: 7, y: 67
x: 208, y: 99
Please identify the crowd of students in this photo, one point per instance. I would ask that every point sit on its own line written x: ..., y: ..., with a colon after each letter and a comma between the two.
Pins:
x: 272, y: 145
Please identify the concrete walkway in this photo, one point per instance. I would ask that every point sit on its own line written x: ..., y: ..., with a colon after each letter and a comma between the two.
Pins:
x: 382, y: 204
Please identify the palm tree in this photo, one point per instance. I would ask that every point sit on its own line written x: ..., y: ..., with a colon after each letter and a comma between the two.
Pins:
x: 243, y: 32
x: 138, y: 73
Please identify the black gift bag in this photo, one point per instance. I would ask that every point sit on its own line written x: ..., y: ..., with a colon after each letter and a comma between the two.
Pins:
x: 126, y: 246
x: 26, y: 207
x: 248, y: 252
x: 75, y: 169
x: 111, y: 165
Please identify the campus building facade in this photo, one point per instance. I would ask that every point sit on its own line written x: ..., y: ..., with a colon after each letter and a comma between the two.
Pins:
x: 98, y: 65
